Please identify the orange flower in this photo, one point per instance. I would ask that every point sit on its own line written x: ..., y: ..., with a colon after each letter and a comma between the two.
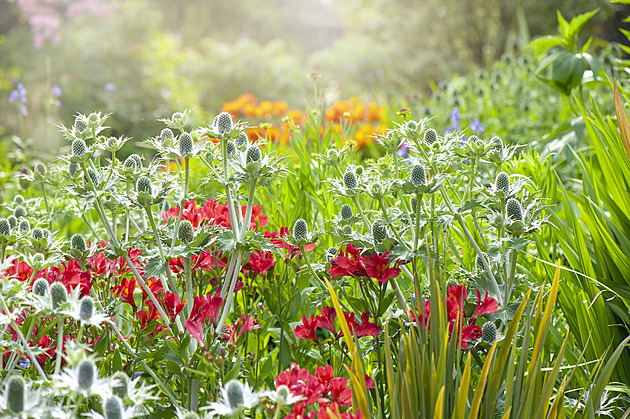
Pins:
x: 296, y: 116
x: 364, y: 135
x: 376, y: 113
x: 280, y: 108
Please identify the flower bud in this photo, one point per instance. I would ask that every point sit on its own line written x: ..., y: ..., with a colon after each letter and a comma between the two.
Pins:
x: 489, y: 332
x: 479, y: 261
x: 300, y: 230
x: 502, y: 183
x: 79, y: 148
x: 120, y: 384
x: 40, y: 287
x: 253, y: 154
x: 86, y: 370
x: 234, y: 390
x: 186, y: 232
x: 86, y: 308
x: 93, y: 120
x: 79, y: 125
x: 19, y: 212
x: 185, y: 144
x: 72, y: 169
x: 430, y: 136
x: 224, y: 123
x: 16, y: 394
x: 418, y: 176
x: 379, y: 232
x: 37, y: 234
x: 350, y: 180
x: 41, y: 168
x: 346, y: 212
x: 145, y: 190
x: 58, y: 294
x: 230, y: 148
x: 25, y: 226
x: 93, y: 176
x: 77, y: 242
x: 514, y: 210
x: 241, y: 140
x: 5, y: 227
x: 166, y: 134
x: 497, y: 144
x: 129, y: 166
x: 13, y: 222
x: 113, y: 408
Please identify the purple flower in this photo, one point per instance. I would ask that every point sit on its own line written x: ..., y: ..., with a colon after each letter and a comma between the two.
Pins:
x: 23, y: 109
x: 24, y: 363
x: 56, y: 91
x: 13, y: 96
x: 403, y: 150
x: 19, y: 93
x: 110, y: 87
x: 477, y: 127
x: 455, y: 117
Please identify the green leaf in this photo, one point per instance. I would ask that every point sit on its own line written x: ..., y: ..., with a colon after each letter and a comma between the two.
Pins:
x: 173, y: 367
x: 578, y: 22
x: 155, y: 267
x: 545, y: 43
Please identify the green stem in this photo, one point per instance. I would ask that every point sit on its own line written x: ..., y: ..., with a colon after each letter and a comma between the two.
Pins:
x: 158, y: 241
x: 60, y: 322
x: 366, y: 222
x: 46, y: 204
x: 181, y: 207
x: 388, y: 221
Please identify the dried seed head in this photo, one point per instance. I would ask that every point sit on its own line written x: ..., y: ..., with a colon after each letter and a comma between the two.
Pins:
x: 253, y: 154
x: 346, y: 212
x: 185, y: 144
x: 234, y: 390
x: 430, y: 136
x: 350, y: 180
x: 77, y: 242
x: 300, y: 230
x: 13, y: 222
x: 489, y: 332
x: 186, y: 231
x: 16, y: 394
x: 5, y: 227
x: 514, y: 210
x: 58, y: 294
x: 113, y: 408
x: 40, y: 287
x: 241, y: 140
x: 25, y: 226
x: 19, y: 212
x: 224, y: 123
x: 379, y: 232
x: 86, y: 371
x: 86, y: 308
x: 79, y: 148
x: 418, y: 176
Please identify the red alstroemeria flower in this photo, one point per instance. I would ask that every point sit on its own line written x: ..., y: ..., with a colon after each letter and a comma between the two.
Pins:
x: 205, y: 260
x: 306, y: 330
x: 149, y: 315
x: 155, y: 285
x: 201, y: 310
x: 348, y: 263
x: 332, y: 412
x: 327, y: 319
x: 472, y: 332
x: 366, y: 328
x: 419, y: 318
x: 378, y: 267
x: 191, y: 213
x: 259, y: 263
x: 279, y: 242
x: 171, y: 304
x: 487, y: 306
x: 22, y: 271
x: 125, y: 291
x: 455, y: 303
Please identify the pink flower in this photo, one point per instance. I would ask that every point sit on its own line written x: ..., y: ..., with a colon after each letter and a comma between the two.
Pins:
x: 306, y: 330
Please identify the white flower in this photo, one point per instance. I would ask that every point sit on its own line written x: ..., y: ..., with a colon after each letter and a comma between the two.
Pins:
x: 236, y: 397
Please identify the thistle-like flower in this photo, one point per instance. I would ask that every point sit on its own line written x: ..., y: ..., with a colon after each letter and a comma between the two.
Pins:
x: 13, y: 222
x: 83, y: 379
x: 186, y: 232
x: 241, y: 140
x: 418, y: 176
x: 489, y: 332
x: 145, y: 190
x: 430, y: 136
x: 236, y: 397
x: 78, y: 243
x: 350, y: 180
x: 58, y: 294
x: 253, y: 154
x: 346, y: 212
x: 25, y: 226
x: 502, y: 183
x: 282, y: 396
x: 379, y: 233
x: 5, y: 227
x: 224, y: 123
x: 514, y: 210
x: 40, y: 287
x: 300, y: 230
x: 19, y: 212
x: 79, y: 148
x: 186, y: 144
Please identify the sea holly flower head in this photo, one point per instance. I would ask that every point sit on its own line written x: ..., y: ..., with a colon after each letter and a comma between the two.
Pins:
x: 236, y: 397
x: 83, y: 379
x: 178, y: 120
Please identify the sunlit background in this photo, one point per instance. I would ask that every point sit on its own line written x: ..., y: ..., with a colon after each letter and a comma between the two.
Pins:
x: 143, y: 60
